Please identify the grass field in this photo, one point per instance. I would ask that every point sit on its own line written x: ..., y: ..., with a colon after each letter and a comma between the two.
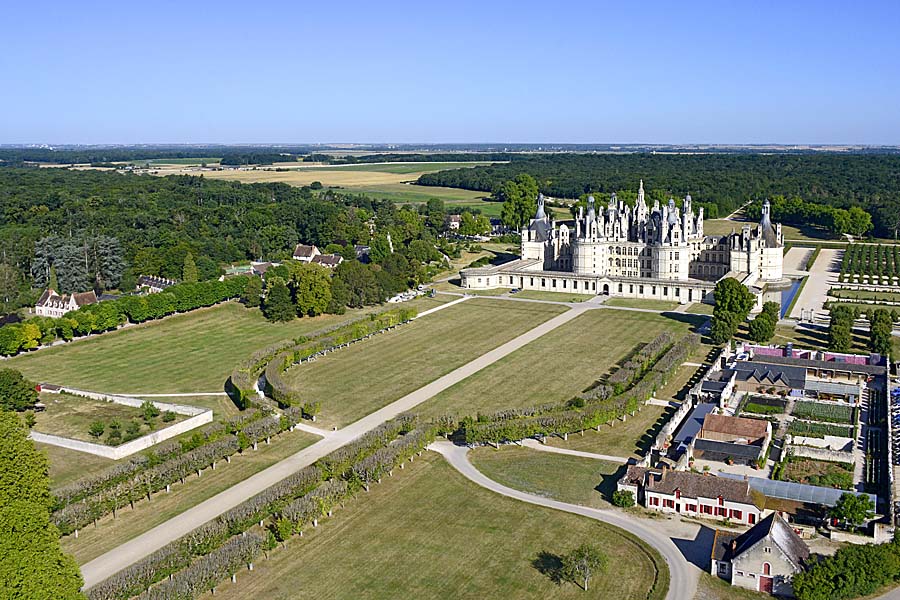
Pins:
x: 642, y: 303
x: 191, y: 352
x: 700, y: 309
x: 554, y: 296
x: 430, y: 533
x: 109, y: 532
x: 555, y: 367
x: 71, y: 417
x: 631, y: 438
x: 571, y: 479
x: 68, y: 465
x: 357, y: 380
x: 713, y: 588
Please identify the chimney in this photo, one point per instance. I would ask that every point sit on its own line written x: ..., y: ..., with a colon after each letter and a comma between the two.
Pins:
x: 733, y: 545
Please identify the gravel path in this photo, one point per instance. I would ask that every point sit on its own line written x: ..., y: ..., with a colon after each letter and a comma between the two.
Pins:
x: 822, y: 277
x: 139, y: 547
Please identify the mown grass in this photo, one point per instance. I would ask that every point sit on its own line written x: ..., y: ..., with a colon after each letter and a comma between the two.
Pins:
x: 427, y: 532
x: 111, y: 532
x: 554, y: 296
x: 642, y: 303
x: 357, y: 380
x: 68, y: 465
x: 555, y: 367
x: 190, y: 352
x: 572, y: 479
x: 627, y: 439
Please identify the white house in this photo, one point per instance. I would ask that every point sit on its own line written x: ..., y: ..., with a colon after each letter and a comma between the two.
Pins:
x: 51, y: 304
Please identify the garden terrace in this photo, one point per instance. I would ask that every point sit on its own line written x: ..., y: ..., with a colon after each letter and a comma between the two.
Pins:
x: 602, y: 337
x: 828, y: 413
x: 384, y: 541
x: 359, y: 379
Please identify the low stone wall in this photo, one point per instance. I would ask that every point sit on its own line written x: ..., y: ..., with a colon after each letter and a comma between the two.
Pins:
x: 197, y: 417
x: 671, y: 426
x: 128, y: 448
x: 821, y: 454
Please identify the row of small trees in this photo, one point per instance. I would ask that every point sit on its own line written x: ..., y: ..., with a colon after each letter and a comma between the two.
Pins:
x: 110, y: 314
x: 578, y: 414
x: 871, y: 260
x: 85, y: 501
x: 840, y: 328
x: 199, y: 560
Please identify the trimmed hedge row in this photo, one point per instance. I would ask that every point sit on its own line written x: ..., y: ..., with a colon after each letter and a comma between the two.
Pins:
x: 576, y: 415
x: 301, y: 498
x: 241, y: 385
x: 86, y: 501
x: 110, y: 314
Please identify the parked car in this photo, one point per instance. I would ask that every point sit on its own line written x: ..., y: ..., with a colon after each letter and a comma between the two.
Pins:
x: 514, y: 291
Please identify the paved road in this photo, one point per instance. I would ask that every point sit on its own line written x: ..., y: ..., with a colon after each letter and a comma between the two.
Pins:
x: 822, y: 276
x: 683, y: 576
x: 137, y: 548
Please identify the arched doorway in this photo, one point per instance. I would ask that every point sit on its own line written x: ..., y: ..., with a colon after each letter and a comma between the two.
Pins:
x: 606, y: 289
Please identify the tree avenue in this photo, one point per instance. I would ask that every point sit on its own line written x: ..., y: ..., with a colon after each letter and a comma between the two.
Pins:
x: 32, y: 565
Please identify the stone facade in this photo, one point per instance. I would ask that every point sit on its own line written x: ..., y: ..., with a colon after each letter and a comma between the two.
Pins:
x: 51, y: 304
x: 636, y: 251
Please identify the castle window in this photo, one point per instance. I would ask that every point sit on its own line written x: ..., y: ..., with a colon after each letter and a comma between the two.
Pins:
x: 640, y: 289
x: 665, y: 291
x: 620, y: 288
x: 554, y: 282
x: 543, y: 282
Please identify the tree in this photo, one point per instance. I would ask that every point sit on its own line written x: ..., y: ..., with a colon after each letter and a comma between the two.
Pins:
x: 252, y: 295
x: 583, y: 563
x: 278, y: 305
x: 312, y: 289
x: 16, y: 392
x: 852, y: 509
x: 860, y: 221
x: 96, y: 429
x: 9, y: 285
x: 190, y: 273
x: 149, y: 411
x: 762, y: 328
x: 358, y: 281
x: 732, y: 296
x: 623, y: 498
x: 519, y: 197
x: 32, y: 565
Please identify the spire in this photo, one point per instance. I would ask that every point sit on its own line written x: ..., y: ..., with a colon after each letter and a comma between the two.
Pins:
x: 540, y: 214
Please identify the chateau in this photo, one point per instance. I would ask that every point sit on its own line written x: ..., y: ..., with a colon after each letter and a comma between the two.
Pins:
x: 637, y: 252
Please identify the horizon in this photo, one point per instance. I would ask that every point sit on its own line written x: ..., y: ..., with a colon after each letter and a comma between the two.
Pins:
x: 823, y: 73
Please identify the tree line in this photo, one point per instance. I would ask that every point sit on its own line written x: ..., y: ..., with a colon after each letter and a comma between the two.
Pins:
x: 869, y: 181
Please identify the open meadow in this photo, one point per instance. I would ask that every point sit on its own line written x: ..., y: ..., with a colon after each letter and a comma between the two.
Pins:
x: 357, y: 380
x: 186, y: 353
x: 427, y: 532
x: 628, y: 439
x: 555, y: 367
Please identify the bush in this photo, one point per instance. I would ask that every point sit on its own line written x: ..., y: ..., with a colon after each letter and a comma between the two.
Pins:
x: 623, y: 498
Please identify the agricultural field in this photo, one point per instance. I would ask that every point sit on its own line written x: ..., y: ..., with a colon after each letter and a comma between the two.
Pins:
x: 357, y: 380
x: 572, y: 479
x: 642, y: 303
x: 185, y: 353
x: 818, y: 472
x: 555, y: 367
x: 818, y: 411
x: 420, y: 533
x: 869, y: 263
x: 72, y: 416
x: 631, y: 438
x: 111, y: 532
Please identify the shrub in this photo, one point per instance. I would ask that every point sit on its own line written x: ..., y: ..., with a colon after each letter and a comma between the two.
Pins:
x: 623, y: 498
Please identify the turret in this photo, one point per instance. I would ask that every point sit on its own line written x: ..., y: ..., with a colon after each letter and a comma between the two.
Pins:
x: 540, y: 214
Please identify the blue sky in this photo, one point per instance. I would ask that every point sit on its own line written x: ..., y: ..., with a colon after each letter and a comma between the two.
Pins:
x: 576, y: 72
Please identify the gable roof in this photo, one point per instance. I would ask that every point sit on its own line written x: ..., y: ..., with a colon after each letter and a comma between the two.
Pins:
x: 51, y: 299
x: 780, y: 533
x: 727, y: 449
x: 694, y: 485
x: 328, y: 260
x: 304, y: 251
x: 741, y: 426
x: 790, y: 375
x: 722, y: 543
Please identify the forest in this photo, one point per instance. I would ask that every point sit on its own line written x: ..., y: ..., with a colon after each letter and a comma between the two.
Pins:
x: 868, y: 181
x: 82, y: 229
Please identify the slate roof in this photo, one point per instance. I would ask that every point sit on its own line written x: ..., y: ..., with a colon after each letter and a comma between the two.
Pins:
x: 634, y: 475
x: 154, y: 281
x: 694, y: 485
x: 328, y: 260
x: 791, y: 376
x: 751, y: 429
x: 52, y: 299
x: 726, y: 449
x: 721, y: 549
x: 819, y: 364
x: 781, y: 534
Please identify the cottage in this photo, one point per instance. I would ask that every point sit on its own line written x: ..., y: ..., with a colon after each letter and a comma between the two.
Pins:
x: 305, y: 253
x: 51, y: 304
x: 453, y: 222
x: 151, y: 284
x: 693, y: 494
x: 764, y: 558
x: 328, y: 260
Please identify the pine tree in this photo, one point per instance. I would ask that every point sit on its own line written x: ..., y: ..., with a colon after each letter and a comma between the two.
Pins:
x: 190, y: 273
x: 32, y: 564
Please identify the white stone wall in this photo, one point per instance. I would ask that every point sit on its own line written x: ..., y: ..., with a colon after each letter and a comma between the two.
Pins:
x: 681, y: 507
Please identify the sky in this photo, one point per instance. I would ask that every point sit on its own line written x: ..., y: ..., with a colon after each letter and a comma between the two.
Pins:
x: 724, y: 72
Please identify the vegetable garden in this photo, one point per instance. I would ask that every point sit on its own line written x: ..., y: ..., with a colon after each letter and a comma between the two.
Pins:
x: 819, y: 411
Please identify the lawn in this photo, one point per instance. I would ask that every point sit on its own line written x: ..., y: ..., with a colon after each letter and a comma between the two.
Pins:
x: 109, y: 532
x: 71, y: 417
x: 713, y: 588
x: 553, y: 296
x: 642, y: 303
x: 429, y: 533
x: 555, y: 367
x: 629, y: 439
x: 700, y: 309
x: 190, y: 352
x: 68, y: 465
x: 865, y: 295
x: 573, y: 479
x: 355, y: 381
